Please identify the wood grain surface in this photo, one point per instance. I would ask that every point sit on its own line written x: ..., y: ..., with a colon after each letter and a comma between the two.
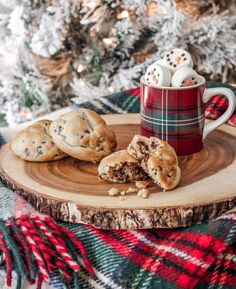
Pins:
x: 70, y: 190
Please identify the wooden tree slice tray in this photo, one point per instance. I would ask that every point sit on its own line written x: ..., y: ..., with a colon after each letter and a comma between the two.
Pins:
x: 69, y: 189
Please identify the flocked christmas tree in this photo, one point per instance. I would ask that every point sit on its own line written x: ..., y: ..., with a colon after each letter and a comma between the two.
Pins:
x: 54, y: 52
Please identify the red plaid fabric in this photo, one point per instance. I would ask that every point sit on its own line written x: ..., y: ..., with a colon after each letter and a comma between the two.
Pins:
x: 201, y: 257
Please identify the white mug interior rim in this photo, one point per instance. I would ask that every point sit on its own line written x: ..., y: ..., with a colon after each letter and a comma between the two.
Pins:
x: 203, y: 81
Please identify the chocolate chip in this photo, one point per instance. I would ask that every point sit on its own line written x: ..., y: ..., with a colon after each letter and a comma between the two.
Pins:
x: 168, y: 59
x: 171, y: 63
x: 86, y: 131
x: 195, y: 82
x: 59, y: 128
x: 183, y: 54
x: 148, y: 73
x: 153, y: 145
x: 26, y: 151
x: 172, y: 52
x: 158, y: 74
x: 167, y: 55
x: 193, y: 78
x: 143, y: 146
x: 39, y: 150
x: 174, y: 65
x: 154, y: 69
x: 185, y: 58
x: 43, y: 142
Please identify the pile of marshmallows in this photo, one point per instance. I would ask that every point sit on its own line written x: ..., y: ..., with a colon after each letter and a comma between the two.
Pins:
x: 175, y: 69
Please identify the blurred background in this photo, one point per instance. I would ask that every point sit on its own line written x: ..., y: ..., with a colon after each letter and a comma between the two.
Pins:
x: 54, y: 53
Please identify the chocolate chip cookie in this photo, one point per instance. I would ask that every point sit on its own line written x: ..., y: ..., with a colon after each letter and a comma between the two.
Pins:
x: 84, y: 135
x: 158, y: 159
x: 35, y: 144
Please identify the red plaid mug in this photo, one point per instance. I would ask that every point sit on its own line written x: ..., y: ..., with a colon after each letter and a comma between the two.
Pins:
x: 177, y: 115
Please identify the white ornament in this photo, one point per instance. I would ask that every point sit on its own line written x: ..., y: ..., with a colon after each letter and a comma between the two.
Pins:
x: 176, y: 58
x: 184, y: 76
x: 158, y: 75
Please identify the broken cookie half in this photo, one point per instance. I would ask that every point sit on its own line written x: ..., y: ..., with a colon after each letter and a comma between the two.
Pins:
x: 120, y: 167
x: 158, y: 159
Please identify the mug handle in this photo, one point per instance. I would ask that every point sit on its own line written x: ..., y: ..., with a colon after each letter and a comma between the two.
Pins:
x: 207, y: 95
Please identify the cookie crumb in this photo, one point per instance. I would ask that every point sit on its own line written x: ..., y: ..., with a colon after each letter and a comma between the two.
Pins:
x: 131, y: 190
x: 113, y: 192
x: 121, y: 198
x: 123, y: 193
x: 141, y: 184
x: 143, y: 193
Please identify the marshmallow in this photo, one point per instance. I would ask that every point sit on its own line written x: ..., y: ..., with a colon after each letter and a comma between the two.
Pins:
x: 177, y: 58
x: 184, y: 76
x: 160, y: 62
x: 158, y: 75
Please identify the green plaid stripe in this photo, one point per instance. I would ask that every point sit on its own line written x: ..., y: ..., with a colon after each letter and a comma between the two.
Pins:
x: 164, y: 127
x: 170, y: 117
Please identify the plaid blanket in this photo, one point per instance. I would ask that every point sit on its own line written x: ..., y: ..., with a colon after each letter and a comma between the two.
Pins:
x: 68, y: 255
